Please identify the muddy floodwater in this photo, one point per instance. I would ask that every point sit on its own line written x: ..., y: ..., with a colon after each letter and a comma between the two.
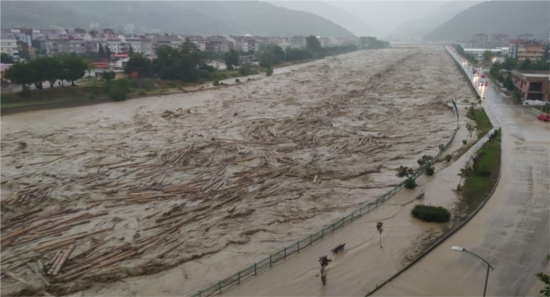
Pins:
x: 170, y: 194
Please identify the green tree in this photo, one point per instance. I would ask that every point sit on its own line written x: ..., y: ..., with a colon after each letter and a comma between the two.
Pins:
x: 6, y: 59
x: 131, y: 51
x: 47, y: 69
x: 266, y: 60
x: 72, y: 68
x: 231, y: 59
x: 21, y: 73
x: 313, y: 44
x: 108, y: 76
x: 139, y: 64
x: 108, y: 53
x: 545, y: 279
x: 269, y: 71
x: 23, y: 50
x: 488, y: 55
x: 509, y: 64
x: 101, y: 52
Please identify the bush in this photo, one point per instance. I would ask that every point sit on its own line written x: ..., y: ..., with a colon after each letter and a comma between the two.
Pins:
x: 448, y: 157
x: 464, y: 141
x: 117, y: 93
x: 430, y: 170
x: 216, y: 83
x: 269, y: 71
x: 237, y: 80
x: 484, y: 172
x: 410, y: 183
x: 428, y: 213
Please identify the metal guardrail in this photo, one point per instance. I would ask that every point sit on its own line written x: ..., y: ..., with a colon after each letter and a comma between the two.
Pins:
x: 308, y: 241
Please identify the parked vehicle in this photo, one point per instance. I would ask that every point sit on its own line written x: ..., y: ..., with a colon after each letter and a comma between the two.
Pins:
x: 534, y: 102
x: 544, y: 117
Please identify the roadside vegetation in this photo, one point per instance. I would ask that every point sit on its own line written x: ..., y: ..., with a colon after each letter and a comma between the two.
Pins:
x: 480, y: 175
x: 429, y: 213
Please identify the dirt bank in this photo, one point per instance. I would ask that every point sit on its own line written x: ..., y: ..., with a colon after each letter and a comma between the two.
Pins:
x: 212, y: 181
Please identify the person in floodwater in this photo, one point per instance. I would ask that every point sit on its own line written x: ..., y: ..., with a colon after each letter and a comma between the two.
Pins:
x: 324, y: 260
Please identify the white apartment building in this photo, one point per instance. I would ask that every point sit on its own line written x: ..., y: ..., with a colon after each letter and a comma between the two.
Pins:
x: 8, y: 44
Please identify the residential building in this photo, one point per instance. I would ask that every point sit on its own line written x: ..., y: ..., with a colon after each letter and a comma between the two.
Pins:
x: 500, y: 40
x: 535, y: 85
x: 531, y: 50
x: 8, y: 45
x: 146, y: 45
x: 199, y: 41
x: 219, y: 44
x: 480, y: 40
x: 170, y: 40
x: 297, y: 42
x: 526, y: 36
x: 134, y: 42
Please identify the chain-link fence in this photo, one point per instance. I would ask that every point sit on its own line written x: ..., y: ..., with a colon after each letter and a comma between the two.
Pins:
x: 308, y: 241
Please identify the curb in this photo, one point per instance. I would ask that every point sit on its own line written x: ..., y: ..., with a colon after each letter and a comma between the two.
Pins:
x: 459, y: 226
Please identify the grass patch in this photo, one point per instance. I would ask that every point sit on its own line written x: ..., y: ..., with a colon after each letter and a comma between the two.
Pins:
x: 55, y: 95
x: 429, y: 213
x: 483, y: 124
x: 480, y: 182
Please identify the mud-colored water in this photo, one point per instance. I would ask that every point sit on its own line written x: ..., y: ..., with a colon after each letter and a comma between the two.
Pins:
x: 247, y: 168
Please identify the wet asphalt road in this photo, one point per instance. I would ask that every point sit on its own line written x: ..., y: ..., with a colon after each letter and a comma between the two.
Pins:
x: 511, y: 231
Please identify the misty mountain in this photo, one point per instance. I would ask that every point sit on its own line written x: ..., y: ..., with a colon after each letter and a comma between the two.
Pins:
x: 418, y: 28
x: 186, y: 17
x: 352, y: 23
x: 509, y: 17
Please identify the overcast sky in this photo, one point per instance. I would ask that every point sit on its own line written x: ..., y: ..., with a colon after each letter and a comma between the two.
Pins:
x: 387, y: 15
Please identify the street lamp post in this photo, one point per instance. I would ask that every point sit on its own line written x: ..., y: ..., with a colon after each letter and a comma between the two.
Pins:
x: 461, y: 249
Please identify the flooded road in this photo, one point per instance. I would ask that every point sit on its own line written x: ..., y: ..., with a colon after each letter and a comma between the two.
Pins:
x: 511, y: 231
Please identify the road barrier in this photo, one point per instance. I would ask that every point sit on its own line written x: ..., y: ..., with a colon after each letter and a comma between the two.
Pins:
x: 308, y: 241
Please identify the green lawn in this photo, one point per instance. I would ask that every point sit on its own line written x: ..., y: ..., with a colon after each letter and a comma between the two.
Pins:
x: 477, y: 186
x: 483, y: 124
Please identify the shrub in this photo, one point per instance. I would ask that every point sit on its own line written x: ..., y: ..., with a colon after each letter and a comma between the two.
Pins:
x: 428, y: 213
x: 117, y: 93
x: 216, y: 83
x: 464, y: 141
x: 424, y: 160
x: 448, y: 157
x: 404, y: 171
x: 269, y: 71
x: 237, y: 80
x: 430, y: 170
x: 484, y: 172
x: 410, y: 183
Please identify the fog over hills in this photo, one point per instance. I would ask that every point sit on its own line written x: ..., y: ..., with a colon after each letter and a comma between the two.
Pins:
x: 509, y: 17
x: 185, y: 17
x: 353, y: 23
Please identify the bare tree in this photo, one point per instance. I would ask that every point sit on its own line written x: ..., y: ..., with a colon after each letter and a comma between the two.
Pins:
x: 379, y: 227
x: 324, y: 260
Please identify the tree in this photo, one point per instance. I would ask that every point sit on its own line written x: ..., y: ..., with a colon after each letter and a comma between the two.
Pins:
x: 101, y: 52
x: 231, y: 59
x: 47, y: 69
x: 509, y: 64
x: 6, y: 59
x: 269, y: 71
x: 73, y: 68
x: 266, y: 60
x: 488, y: 55
x: 21, y: 73
x: 545, y: 279
x: 139, y: 64
x: 107, y: 53
x: 313, y: 44
x: 380, y: 228
x: 131, y: 51
x: 23, y: 50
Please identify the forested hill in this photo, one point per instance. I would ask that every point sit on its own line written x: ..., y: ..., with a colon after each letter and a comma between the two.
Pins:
x: 185, y: 17
x: 508, y: 17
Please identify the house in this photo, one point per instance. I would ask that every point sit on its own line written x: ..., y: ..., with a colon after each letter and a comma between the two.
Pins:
x: 8, y: 45
x: 526, y: 36
x: 170, y: 40
x: 219, y: 44
x: 480, y: 40
x: 199, y: 41
x: 534, y: 85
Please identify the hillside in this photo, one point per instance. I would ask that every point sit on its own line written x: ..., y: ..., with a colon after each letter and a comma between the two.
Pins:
x: 332, y: 13
x: 416, y: 29
x: 509, y: 17
x: 186, y: 17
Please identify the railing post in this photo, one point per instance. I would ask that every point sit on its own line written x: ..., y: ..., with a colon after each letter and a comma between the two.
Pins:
x: 255, y: 269
x: 323, y: 233
x: 352, y: 216
x: 284, y: 254
x: 298, y: 243
x: 200, y: 293
x: 270, y: 261
x: 220, y: 287
x: 239, y: 277
x: 310, y: 240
